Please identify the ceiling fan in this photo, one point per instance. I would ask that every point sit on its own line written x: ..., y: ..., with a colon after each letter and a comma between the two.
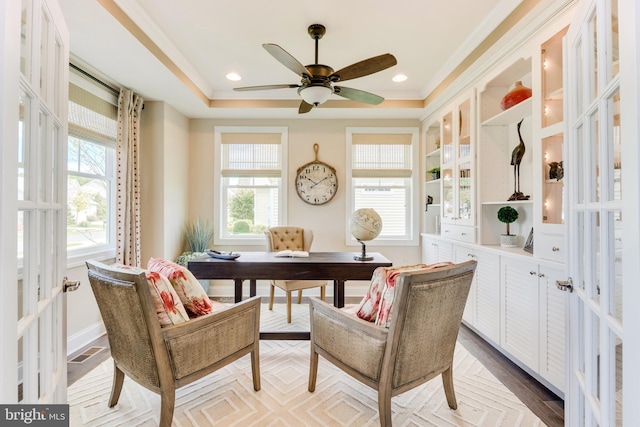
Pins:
x: 317, y: 80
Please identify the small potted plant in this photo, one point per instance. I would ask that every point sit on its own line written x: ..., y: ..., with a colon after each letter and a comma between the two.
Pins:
x: 197, y: 234
x: 507, y: 214
x: 435, y: 173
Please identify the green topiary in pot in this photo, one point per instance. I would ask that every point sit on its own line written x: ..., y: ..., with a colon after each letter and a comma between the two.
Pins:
x: 507, y: 214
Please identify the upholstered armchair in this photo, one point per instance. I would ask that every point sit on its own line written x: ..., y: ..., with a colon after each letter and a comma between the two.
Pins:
x: 164, y: 358
x: 417, y: 346
x: 296, y: 239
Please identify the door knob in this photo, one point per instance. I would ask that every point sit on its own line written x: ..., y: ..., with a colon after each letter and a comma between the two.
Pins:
x: 70, y: 285
x: 565, y: 285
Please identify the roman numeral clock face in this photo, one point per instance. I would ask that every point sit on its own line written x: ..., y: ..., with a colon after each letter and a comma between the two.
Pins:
x: 316, y: 183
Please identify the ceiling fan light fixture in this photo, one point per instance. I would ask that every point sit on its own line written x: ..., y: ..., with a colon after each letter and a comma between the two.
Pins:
x: 315, y: 95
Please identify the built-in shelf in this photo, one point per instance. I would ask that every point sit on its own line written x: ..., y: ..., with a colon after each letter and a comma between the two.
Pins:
x: 434, y: 153
x: 509, y: 202
x: 433, y: 181
x: 512, y: 115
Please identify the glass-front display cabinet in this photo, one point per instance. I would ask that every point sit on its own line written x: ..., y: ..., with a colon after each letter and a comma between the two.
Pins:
x: 458, y: 163
x: 549, y: 218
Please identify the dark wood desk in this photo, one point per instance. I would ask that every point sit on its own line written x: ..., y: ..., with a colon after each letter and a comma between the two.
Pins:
x: 252, y: 266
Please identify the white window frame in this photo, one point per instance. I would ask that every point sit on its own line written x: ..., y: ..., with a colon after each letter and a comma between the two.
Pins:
x: 412, y: 217
x: 77, y: 257
x: 219, y: 219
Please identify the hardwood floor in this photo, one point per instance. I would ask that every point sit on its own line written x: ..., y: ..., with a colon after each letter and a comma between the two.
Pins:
x: 542, y: 402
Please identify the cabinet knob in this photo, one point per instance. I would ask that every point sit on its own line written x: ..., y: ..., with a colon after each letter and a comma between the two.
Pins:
x: 541, y: 275
x: 555, y: 249
x: 463, y: 234
x: 533, y: 273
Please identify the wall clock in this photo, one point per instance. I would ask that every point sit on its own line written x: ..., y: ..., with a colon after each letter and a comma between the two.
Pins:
x: 316, y: 182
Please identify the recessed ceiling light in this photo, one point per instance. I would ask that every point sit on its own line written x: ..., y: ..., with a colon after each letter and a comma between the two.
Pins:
x: 399, y: 78
x: 234, y: 77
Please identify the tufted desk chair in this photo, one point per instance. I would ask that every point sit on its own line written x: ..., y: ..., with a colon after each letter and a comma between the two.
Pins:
x: 296, y: 239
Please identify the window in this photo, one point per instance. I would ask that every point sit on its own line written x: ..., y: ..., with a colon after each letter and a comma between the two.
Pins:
x: 381, y: 177
x: 91, y: 168
x: 250, y: 171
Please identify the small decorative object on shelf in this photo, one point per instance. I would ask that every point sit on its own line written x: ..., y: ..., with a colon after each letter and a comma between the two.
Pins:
x: 556, y: 171
x: 507, y: 214
x: 516, y: 159
x: 515, y: 96
x: 429, y: 202
x: 365, y: 224
x: 435, y: 173
x: 528, y: 245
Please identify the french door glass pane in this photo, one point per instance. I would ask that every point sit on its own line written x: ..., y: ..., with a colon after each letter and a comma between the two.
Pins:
x: 595, y: 171
x: 579, y: 165
x: 615, y: 146
x: 594, y: 362
x: 464, y: 191
x: 25, y: 40
x: 44, y: 54
x: 42, y: 147
x: 447, y: 139
x: 582, y: 259
x: 24, y: 104
x: 614, y: 42
x: 21, y: 248
x: 593, y: 62
x: 616, y: 279
x: 579, y: 79
x: 593, y: 284
x: 617, y: 389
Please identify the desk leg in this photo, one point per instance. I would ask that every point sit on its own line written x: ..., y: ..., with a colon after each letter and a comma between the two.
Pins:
x: 252, y: 288
x: 238, y: 290
x: 338, y: 293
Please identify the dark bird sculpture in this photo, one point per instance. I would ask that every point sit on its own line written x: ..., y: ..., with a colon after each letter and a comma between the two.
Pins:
x: 516, y: 158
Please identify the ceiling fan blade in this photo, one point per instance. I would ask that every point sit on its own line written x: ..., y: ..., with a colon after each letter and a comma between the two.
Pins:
x: 305, y: 107
x: 357, y: 95
x: 265, y: 87
x: 286, y: 59
x: 364, y: 68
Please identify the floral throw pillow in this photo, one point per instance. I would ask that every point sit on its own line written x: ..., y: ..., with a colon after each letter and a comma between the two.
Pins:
x: 388, y: 294
x: 368, y: 308
x: 166, y: 302
x: 193, y: 297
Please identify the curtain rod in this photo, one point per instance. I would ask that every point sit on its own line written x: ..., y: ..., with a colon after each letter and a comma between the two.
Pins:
x: 80, y: 70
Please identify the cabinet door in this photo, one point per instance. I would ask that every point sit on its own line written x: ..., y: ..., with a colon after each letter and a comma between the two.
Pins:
x: 462, y: 254
x: 429, y: 251
x: 520, y: 304
x: 487, y: 295
x: 552, y: 327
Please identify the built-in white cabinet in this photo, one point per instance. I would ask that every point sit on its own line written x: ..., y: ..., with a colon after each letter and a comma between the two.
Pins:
x: 513, y: 303
x: 432, y: 137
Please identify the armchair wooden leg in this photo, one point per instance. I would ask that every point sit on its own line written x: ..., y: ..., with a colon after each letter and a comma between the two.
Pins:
x: 300, y: 296
x: 272, y: 290
x: 447, y: 383
x: 167, y: 404
x: 116, y: 387
x: 323, y: 292
x: 313, y: 370
x: 384, y: 405
x: 255, y: 367
x: 288, y: 306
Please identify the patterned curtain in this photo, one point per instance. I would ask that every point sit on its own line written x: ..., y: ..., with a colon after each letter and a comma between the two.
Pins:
x: 128, y: 179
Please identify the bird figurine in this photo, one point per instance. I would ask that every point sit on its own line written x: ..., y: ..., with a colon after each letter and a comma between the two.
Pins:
x: 516, y: 159
x: 556, y: 171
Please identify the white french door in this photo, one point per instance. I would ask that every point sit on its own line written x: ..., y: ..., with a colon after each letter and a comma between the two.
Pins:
x: 602, y: 131
x: 34, y: 91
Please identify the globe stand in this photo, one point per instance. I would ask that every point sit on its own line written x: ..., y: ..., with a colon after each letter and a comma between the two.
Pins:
x: 363, y: 255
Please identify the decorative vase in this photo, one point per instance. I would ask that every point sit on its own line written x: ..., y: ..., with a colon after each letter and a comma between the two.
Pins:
x: 515, y: 96
x: 508, y: 240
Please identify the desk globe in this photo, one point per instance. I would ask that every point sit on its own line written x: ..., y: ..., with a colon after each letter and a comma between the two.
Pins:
x: 365, y: 225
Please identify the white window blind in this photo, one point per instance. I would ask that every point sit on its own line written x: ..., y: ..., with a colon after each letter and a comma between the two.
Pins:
x: 382, y: 178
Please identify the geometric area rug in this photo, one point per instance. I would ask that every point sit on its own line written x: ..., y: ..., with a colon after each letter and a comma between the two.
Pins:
x: 226, y: 397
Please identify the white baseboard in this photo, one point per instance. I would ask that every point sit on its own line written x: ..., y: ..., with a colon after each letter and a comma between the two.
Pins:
x: 85, y: 337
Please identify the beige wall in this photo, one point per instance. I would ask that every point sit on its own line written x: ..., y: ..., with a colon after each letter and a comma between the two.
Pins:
x: 328, y: 221
x: 165, y: 180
